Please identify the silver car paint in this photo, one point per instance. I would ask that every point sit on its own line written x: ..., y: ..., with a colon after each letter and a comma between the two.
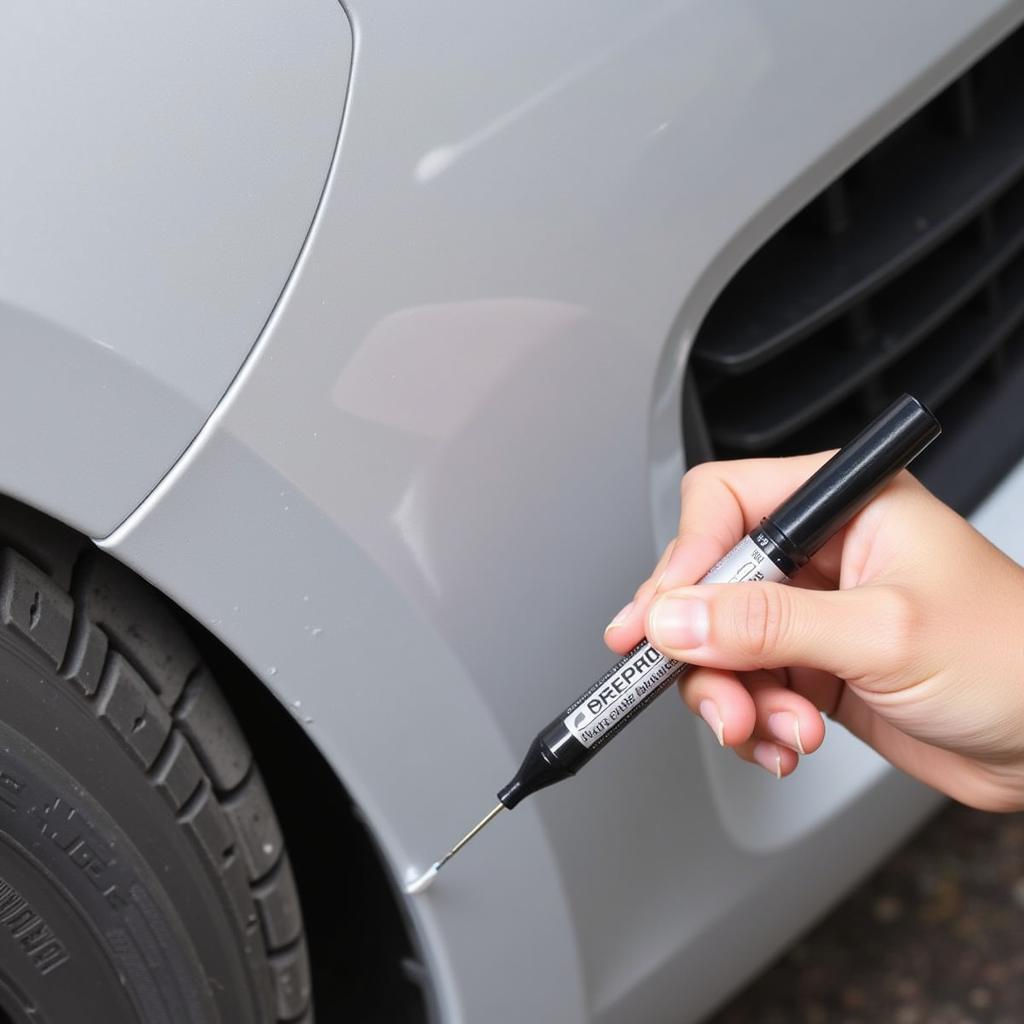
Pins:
x: 162, y: 165
x: 456, y: 448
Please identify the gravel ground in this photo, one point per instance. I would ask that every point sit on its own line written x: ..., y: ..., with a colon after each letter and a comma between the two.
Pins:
x: 935, y: 936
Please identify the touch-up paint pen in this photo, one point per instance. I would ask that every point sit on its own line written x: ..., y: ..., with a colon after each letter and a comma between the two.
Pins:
x: 773, y: 551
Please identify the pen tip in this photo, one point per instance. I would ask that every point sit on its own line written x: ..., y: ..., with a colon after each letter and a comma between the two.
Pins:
x: 418, y: 885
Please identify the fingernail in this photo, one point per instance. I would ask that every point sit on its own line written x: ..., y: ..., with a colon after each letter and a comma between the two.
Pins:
x: 679, y: 622
x: 769, y: 757
x: 709, y: 712
x: 620, y: 618
x: 785, y: 726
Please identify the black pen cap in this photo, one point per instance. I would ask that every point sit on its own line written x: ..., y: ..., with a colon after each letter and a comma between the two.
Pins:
x: 854, y: 475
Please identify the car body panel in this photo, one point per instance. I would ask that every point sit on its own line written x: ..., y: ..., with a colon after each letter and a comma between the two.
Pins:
x: 164, y: 163
x: 456, y: 449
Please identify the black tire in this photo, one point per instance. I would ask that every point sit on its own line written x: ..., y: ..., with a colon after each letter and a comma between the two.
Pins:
x: 143, y: 876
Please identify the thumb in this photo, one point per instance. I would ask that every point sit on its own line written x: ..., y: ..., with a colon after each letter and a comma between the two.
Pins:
x: 854, y: 634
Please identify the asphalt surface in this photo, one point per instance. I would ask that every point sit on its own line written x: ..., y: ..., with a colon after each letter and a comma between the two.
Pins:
x: 935, y: 936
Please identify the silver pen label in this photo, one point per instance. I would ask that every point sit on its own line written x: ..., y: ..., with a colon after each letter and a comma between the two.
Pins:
x: 644, y: 672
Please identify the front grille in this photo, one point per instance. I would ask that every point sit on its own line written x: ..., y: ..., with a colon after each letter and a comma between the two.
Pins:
x: 904, y: 274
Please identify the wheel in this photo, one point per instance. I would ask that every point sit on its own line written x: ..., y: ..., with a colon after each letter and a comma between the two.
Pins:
x: 143, y: 876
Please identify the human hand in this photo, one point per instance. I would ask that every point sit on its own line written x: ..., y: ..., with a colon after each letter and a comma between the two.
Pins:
x: 907, y: 628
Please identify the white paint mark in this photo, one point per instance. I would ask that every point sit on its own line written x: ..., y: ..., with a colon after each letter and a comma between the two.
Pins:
x: 418, y: 885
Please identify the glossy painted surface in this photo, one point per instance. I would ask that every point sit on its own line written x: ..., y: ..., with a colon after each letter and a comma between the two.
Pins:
x: 162, y: 165
x: 456, y: 449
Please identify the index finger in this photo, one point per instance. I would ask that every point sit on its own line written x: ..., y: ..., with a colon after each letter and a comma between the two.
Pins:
x: 719, y: 503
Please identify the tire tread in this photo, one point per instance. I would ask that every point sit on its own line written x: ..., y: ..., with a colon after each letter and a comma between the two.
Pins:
x: 126, y: 658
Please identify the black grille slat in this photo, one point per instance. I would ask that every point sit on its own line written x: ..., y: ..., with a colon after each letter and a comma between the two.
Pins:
x: 893, y: 220
x: 906, y: 273
x: 761, y: 409
x: 936, y: 372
